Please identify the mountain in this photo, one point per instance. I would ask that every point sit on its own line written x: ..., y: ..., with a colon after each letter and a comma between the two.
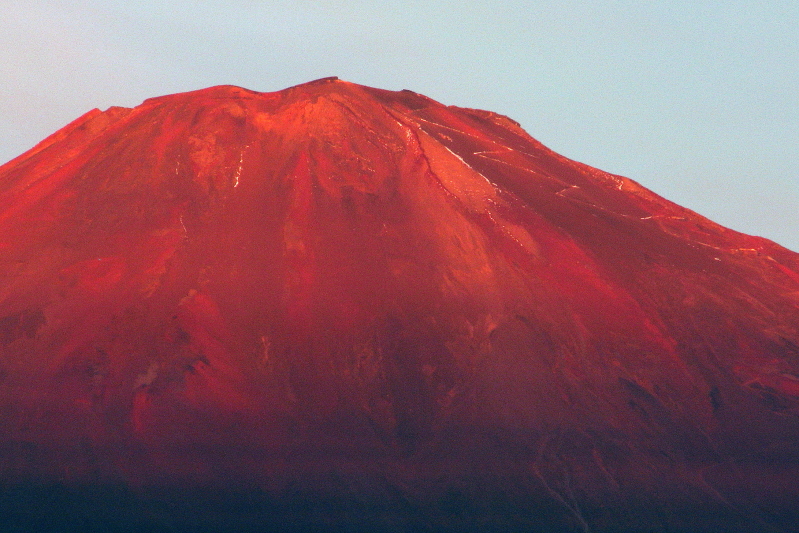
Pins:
x: 335, y: 307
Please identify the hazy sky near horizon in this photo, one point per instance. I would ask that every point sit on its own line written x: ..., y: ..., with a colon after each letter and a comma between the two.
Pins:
x: 697, y: 100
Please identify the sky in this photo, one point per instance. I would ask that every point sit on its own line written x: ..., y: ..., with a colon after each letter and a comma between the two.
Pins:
x: 696, y: 100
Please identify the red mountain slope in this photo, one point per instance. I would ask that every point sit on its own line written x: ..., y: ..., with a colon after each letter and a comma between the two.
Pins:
x: 370, y: 297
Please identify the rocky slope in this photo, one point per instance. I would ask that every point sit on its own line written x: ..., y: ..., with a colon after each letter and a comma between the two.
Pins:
x: 365, y: 302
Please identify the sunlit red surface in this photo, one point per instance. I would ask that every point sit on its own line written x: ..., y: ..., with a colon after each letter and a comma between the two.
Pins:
x: 362, y: 308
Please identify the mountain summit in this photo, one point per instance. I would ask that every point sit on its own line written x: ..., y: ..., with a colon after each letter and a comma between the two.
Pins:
x: 364, y: 308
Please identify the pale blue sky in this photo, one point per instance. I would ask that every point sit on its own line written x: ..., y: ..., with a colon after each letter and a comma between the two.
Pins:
x: 697, y: 100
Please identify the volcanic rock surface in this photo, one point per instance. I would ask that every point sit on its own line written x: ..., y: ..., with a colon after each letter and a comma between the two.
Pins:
x: 373, y: 310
